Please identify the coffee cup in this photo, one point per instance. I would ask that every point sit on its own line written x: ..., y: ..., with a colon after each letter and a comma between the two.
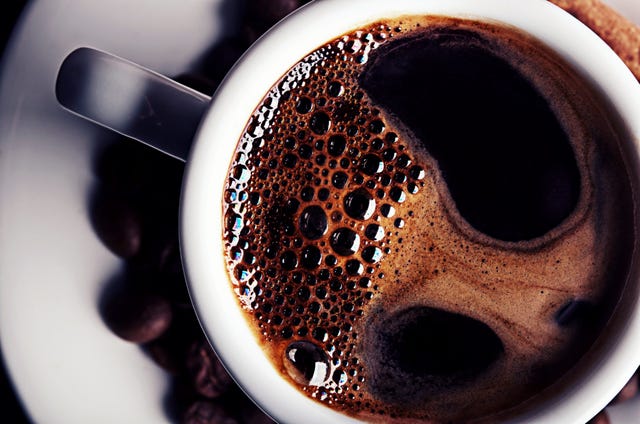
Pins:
x: 231, y: 325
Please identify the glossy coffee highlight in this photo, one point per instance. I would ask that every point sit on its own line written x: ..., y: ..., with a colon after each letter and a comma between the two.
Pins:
x: 428, y: 218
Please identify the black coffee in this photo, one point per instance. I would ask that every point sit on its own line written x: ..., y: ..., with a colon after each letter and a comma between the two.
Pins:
x: 429, y: 219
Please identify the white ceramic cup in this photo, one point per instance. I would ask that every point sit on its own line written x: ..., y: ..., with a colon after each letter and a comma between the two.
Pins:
x: 615, y: 356
x: 269, y: 59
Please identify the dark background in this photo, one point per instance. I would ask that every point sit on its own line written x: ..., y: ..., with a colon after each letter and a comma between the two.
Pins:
x: 10, y: 409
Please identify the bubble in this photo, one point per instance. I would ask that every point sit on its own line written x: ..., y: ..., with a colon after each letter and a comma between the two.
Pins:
x: 311, y: 257
x: 236, y: 254
x: 353, y: 46
x: 304, y: 105
x: 313, y: 222
x: 321, y: 293
x: 389, y: 155
x: 399, y: 223
x: 230, y: 196
x: 339, y: 377
x: 286, y: 333
x: 399, y: 177
x: 303, y: 293
x: 255, y: 199
x: 364, y: 282
x: 242, y: 274
x: 291, y: 206
x: 249, y: 258
x: 336, y: 145
x: 233, y: 222
x: 387, y: 210
x: 335, y: 89
x: 374, y: 232
x: 307, y: 194
x: 335, y: 285
x: 320, y: 123
x: 345, y: 242
x: 305, y: 151
x: 403, y: 161
x: 306, y: 363
x: 391, y: 137
x: 397, y: 195
x: 288, y: 260
x: 416, y: 172
x: 323, y: 194
x: 354, y: 267
x: 377, y: 144
x: 372, y: 254
x: 376, y: 126
x: 371, y: 164
x: 290, y: 143
x: 320, y: 334
x: 241, y: 173
x: 290, y: 160
x: 314, y: 307
x: 359, y: 204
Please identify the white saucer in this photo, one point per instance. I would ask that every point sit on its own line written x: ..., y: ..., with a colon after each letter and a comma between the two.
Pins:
x: 66, y: 365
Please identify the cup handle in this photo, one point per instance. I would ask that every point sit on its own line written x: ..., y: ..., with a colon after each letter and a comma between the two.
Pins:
x: 131, y: 100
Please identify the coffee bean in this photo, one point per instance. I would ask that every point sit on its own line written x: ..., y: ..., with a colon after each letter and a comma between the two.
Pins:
x: 207, y: 412
x: 121, y: 166
x: 250, y: 32
x: 268, y: 12
x: 222, y: 56
x: 171, y: 281
x: 601, y: 418
x: 207, y: 374
x: 248, y: 411
x: 166, y: 353
x: 117, y: 224
x: 128, y: 167
x: 137, y: 315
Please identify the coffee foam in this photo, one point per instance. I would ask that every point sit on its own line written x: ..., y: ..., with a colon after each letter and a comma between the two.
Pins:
x: 336, y: 219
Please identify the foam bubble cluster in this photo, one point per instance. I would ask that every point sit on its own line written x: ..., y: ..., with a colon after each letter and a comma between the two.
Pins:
x: 310, y: 211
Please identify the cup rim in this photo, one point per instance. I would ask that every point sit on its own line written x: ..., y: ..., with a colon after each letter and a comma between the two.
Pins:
x: 201, y: 219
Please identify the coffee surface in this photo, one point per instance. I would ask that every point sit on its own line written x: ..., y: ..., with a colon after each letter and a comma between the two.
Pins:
x: 428, y: 218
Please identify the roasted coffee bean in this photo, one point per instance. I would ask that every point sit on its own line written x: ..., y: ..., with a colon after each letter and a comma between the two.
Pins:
x: 601, y: 418
x: 171, y: 280
x: 167, y: 354
x: 207, y: 412
x: 250, y: 33
x: 222, y: 56
x: 249, y: 413
x: 117, y: 224
x: 207, y: 374
x: 121, y: 166
x: 137, y: 315
x: 170, y: 349
x: 128, y: 167
x: 268, y: 12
